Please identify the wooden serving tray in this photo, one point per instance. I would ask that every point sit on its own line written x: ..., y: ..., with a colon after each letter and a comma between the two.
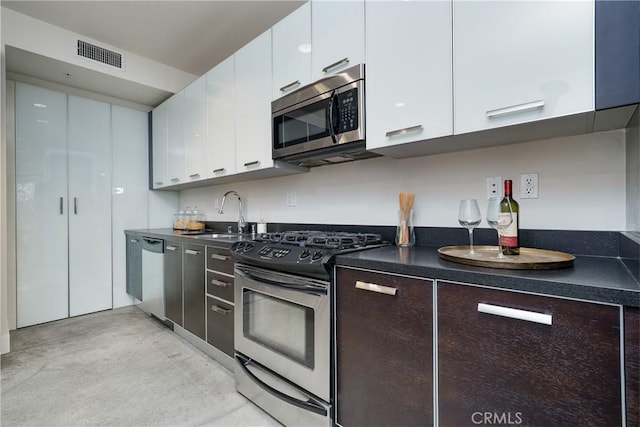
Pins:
x: 529, y: 258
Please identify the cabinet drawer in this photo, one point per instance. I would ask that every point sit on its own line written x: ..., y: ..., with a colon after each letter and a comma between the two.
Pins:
x: 220, y: 285
x: 540, y: 359
x: 219, y: 259
x: 220, y: 325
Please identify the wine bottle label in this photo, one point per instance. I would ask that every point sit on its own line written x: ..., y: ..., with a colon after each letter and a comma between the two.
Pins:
x: 509, y: 236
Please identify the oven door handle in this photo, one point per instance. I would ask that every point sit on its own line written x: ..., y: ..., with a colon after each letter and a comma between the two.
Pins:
x: 333, y: 106
x: 310, y: 404
x: 281, y: 282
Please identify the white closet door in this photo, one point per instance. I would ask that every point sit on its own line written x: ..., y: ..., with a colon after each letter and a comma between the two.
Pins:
x: 130, y: 204
x: 41, y: 205
x: 90, y: 206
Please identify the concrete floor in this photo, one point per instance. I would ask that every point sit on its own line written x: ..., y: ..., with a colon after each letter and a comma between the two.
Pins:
x: 116, y: 368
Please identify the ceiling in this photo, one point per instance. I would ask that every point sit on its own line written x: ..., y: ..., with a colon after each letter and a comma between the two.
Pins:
x: 192, y: 36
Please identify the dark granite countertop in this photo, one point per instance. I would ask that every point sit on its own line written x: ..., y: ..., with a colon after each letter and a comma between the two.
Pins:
x: 211, y: 238
x: 602, y: 279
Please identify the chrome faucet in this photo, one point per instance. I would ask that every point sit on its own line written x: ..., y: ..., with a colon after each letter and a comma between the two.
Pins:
x: 241, y: 223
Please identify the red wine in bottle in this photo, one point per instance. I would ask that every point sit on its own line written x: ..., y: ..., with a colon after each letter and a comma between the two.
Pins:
x: 510, y: 236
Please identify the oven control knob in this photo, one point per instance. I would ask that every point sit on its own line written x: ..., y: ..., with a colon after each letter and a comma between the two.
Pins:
x: 305, y: 254
x: 317, y: 255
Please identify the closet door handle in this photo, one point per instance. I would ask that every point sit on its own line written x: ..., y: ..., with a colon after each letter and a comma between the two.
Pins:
x: 513, y: 313
x: 61, y: 205
x: 75, y: 206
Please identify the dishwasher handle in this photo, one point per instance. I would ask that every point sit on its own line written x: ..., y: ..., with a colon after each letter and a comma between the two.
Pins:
x: 153, y: 245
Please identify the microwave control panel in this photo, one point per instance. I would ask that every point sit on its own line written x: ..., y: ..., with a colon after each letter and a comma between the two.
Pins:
x: 347, y: 111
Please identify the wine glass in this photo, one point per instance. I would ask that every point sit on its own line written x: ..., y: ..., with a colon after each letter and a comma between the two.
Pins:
x: 469, y: 217
x: 498, y: 220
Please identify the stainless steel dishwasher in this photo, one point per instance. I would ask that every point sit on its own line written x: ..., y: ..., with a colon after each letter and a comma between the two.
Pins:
x: 153, y: 277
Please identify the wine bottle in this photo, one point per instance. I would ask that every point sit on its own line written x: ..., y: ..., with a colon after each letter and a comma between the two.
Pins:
x: 510, y: 236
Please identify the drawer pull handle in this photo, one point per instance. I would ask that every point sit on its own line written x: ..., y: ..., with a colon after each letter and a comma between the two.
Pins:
x: 219, y: 283
x: 289, y: 86
x: 170, y: 248
x: 219, y: 170
x: 399, y: 132
x: 219, y: 257
x: 520, y: 108
x: 194, y: 175
x: 335, y: 64
x: 159, y: 182
x: 134, y: 240
x: 175, y: 179
x: 253, y: 163
x: 387, y: 290
x: 61, y: 206
x: 220, y: 310
x: 191, y: 252
x: 513, y: 313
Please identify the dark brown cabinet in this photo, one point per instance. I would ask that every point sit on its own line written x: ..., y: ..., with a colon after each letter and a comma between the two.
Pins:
x: 526, y: 359
x: 220, y: 282
x: 632, y: 364
x: 384, y: 349
x: 173, y: 282
x: 194, y: 289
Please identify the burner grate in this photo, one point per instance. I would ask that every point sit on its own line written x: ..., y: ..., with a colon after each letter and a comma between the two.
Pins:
x: 322, y: 239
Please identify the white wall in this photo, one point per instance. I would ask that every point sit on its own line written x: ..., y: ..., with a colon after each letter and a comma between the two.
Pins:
x: 582, y: 187
x: 30, y: 34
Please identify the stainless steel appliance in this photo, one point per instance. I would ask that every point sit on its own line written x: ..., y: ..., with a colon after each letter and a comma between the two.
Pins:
x: 283, y: 297
x: 323, y: 122
x: 153, y: 277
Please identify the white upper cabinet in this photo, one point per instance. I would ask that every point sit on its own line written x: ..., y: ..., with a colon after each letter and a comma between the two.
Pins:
x: 159, y: 146
x: 292, y: 51
x: 253, y: 104
x: 195, y: 130
x: 221, y: 148
x: 337, y: 36
x: 175, y: 139
x: 408, y: 74
x: 521, y: 61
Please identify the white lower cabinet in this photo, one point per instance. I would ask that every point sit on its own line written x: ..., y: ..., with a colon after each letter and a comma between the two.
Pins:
x: 64, y: 208
x: 415, y: 104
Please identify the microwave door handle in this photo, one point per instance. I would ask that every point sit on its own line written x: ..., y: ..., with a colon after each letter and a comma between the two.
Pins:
x: 333, y: 106
x: 310, y: 404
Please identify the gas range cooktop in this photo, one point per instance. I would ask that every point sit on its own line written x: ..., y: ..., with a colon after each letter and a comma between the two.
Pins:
x: 306, y: 252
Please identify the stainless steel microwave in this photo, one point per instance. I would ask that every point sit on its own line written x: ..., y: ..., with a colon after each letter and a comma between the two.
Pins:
x: 323, y: 122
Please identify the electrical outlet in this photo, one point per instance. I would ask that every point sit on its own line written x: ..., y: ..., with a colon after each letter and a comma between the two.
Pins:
x: 292, y: 199
x: 494, y: 186
x: 529, y: 186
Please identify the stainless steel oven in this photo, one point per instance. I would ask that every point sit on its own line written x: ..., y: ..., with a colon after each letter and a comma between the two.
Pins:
x: 282, y: 342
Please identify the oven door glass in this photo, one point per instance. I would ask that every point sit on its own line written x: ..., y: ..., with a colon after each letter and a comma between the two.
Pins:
x: 282, y: 326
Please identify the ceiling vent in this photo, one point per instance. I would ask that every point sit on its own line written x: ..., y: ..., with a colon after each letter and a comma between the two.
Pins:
x: 99, y: 54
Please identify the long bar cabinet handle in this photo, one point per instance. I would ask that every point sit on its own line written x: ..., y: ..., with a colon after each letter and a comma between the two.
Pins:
x: 520, y: 108
x: 61, y: 205
x: 219, y: 283
x: 75, y: 206
x: 170, y: 248
x: 191, y: 252
x: 514, y: 313
x: 194, y: 175
x: 219, y: 257
x: 387, y: 290
x: 289, y: 86
x: 398, y: 132
x: 175, y: 179
x: 219, y: 170
x: 220, y: 310
x: 159, y: 182
x: 335, y: 64
x: 252, y: 163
